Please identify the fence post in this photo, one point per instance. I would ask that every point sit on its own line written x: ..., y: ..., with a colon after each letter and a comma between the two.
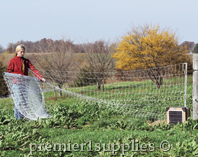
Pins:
x: 195, y: 86
x: 185, y: 88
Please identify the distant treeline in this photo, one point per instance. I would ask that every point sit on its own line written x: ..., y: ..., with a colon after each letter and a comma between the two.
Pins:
x: 36, y: 47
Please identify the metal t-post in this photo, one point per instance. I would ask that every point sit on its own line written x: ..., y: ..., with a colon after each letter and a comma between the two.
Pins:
x: 195, y: 86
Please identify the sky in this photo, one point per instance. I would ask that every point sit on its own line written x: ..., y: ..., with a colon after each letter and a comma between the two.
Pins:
x: 91, y: 20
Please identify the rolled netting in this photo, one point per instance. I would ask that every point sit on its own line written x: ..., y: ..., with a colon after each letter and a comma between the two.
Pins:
x: 27, y: 95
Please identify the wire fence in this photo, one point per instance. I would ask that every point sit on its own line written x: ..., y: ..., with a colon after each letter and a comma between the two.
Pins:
x: 144, y: 93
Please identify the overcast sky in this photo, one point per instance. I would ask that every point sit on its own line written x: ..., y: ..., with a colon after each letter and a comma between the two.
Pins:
x: 91, y: 20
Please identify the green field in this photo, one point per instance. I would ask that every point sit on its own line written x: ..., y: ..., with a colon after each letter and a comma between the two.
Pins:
x: 94, y: 129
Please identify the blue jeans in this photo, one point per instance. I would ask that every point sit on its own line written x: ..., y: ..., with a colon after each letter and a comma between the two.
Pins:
x: 20, y: 100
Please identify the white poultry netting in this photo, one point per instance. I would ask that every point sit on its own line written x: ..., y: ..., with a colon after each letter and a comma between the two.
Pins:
x: 144, y: 93
x: 27, y: 95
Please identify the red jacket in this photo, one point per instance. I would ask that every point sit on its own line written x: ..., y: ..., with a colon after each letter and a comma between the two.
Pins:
x: 15, y: 66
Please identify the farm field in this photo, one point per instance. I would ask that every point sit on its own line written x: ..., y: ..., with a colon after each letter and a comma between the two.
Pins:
x: 87, y: 128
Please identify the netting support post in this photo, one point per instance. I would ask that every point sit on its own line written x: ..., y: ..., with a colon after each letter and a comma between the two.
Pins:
x: 195, y: 86
x: 185, y: 88
x: 55, y: 92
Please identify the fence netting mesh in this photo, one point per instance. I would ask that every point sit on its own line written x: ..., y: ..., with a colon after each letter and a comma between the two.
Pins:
x: 144, y: 93
x: 27, y: 95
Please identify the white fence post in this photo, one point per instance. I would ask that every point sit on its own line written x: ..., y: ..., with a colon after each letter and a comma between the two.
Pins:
x: 185, y: 87
x: 195, y: 86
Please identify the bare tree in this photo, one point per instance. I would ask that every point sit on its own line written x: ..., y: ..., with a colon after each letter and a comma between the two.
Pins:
x: 1, y: 49
x: 10, y: 48
x: 98, y: 60
x: 57, y: 60
x: 190, y: 45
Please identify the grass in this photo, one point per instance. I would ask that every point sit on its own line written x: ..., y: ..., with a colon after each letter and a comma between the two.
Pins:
x: 143, y: 96
x: 78, y: 123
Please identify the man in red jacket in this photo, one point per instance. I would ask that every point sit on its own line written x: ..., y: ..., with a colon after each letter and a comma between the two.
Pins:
x: 19, y: 65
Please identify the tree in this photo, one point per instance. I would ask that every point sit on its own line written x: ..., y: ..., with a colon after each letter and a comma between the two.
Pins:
x: 85, y: 77
x: 196, y: 49
x: 97, y: 62
x: 3, y: 88
x: 57, y: 61
x: 148, y: 47
x: 1, y: 49
x: 10, y: 48
x: 189, y: 44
